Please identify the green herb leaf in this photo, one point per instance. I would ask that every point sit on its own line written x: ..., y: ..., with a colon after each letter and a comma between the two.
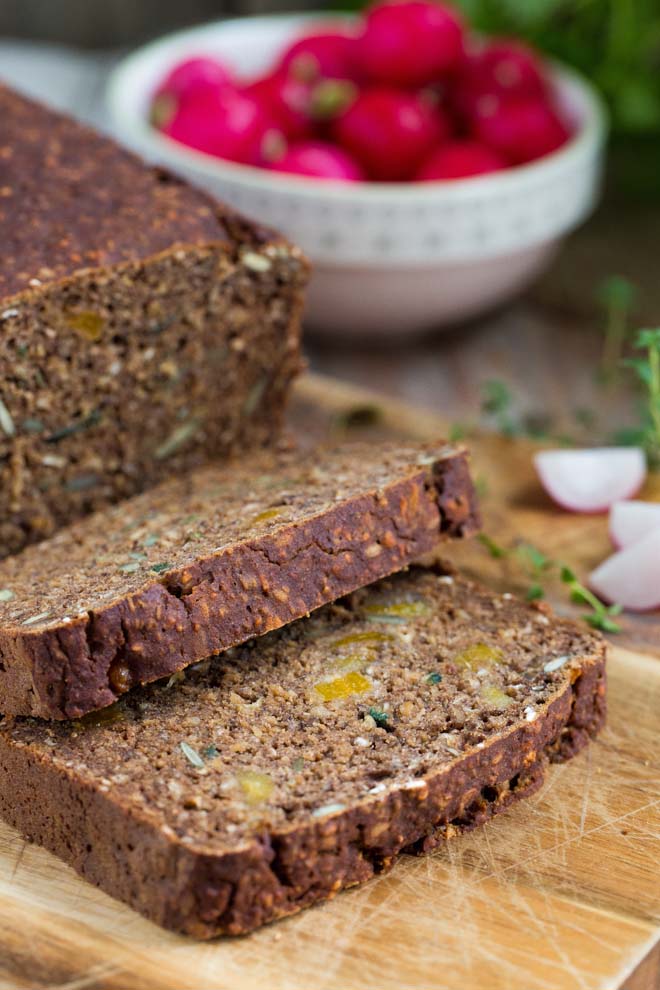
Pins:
x: 600, y: 616
x: 641, y: 368
x: 648, y: 372
x: 630, y: 436
x: 580, y: 596
x: 458, y: 431
x: 496, y: 402
x: 159, y: 568
x: 434, y: 678
x: 379, y: 716
x: 617, y: 295
x: 496, y: 397
x: 534, y: 593
x: 648, y: 338
x: 585, y: 417
x: 533, y: 558
x: 493, y: 548
x: 602, y: 622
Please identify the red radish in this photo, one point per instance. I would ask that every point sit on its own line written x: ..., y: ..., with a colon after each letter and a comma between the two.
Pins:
x: 520, y: 131
x: 632, y: 521
x: 299, y: 107
x: 410, y: 43
x: 319, y: 160
x: 287, y: 100
x: 458, y: 160
x: 195, y: 77
x: 389, y: 132
x: 631, y: 577
x: 509, y: 70
x: 230, y: 125
x: 328, y: 54
x: 591, y: 480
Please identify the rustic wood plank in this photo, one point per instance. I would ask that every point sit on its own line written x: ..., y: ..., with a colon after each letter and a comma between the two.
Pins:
x: 558, y: 893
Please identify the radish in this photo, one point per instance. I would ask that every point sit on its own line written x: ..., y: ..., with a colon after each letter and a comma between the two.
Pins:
x: 195, y: 77
x: 320, y: 160
x: 591, y: 480
x: 631, y: 521
x: 410, y: 43
x: 229, y: 125
x: 287, y: 100
x: 329, y: 54
x: 519, y: 131
x: 631, y: 577
x: 504, y: 69
x: 459, y: 160
x: 390, y: 132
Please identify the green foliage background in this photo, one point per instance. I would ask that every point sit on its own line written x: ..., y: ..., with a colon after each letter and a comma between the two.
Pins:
x: 616, y: 43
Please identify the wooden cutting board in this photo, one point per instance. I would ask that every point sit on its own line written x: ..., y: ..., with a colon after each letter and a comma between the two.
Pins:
x: 561, y: 892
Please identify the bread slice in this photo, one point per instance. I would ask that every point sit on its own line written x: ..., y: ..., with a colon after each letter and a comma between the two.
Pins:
x: 198, y: 565
x: 144, y: 327
x: 259, y: 783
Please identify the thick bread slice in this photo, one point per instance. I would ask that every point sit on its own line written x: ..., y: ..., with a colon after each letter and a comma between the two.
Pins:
x: 227, y: 553
x: 306, y: 761
x: 145, y: 328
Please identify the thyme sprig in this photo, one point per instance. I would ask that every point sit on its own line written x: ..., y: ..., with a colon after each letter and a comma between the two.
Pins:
x: 538, y: 566
x: 617, y: 295
x: 647, y: 369
x: 600, y: 616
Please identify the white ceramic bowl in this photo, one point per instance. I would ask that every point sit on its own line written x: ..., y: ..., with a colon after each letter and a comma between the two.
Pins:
x: 389, y: 259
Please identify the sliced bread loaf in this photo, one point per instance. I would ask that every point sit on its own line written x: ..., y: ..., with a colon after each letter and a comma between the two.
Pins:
x: 139, y: 591
x: 144, y: 327
x: 307, y: 760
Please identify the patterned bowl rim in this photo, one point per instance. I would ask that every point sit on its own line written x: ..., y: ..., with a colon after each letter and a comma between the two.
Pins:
x: 129, y: 118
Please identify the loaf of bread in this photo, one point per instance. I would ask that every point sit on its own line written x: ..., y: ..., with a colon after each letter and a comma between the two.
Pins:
x: 143, y: 589
x: 253, y: 785
x: 144, y: 328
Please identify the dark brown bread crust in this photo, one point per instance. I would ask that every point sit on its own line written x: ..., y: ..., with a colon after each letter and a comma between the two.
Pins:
x: 72, y: 199
x: 144, y: 327
x: 181, y: 882
x: 81, y: 657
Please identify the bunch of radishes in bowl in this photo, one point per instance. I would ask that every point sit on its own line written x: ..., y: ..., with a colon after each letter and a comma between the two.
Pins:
x: 607, y: 479
x: 402, y: 94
